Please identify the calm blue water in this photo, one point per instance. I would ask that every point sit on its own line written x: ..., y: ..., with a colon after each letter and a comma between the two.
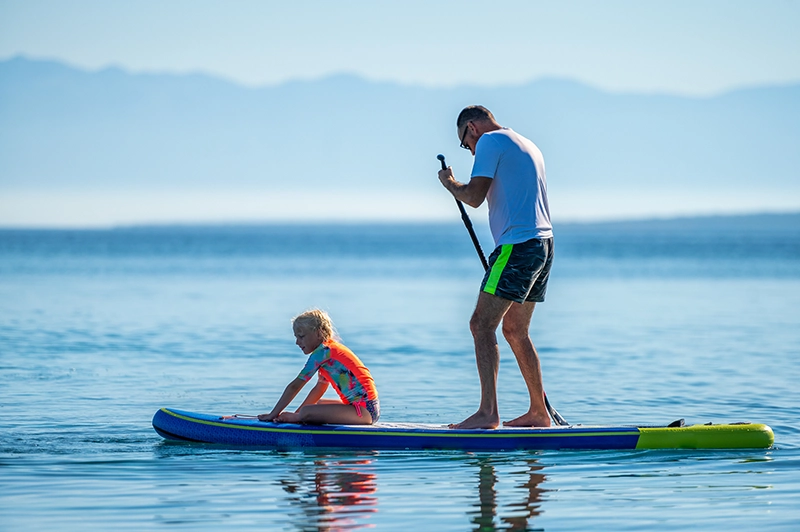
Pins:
x: 644, y: 323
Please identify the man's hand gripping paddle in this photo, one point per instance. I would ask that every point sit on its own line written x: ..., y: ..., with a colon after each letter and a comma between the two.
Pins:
x: 468, y: 223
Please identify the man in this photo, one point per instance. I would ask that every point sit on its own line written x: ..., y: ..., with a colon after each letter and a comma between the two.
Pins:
x: 509, y: 173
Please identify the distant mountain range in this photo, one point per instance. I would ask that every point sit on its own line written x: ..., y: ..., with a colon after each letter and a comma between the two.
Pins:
x: 67, y: 129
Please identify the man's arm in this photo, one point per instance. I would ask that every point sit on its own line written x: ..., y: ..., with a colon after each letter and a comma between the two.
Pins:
x: 472, y: 193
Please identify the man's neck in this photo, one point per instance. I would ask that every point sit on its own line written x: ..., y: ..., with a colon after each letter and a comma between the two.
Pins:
x: 487, y: 126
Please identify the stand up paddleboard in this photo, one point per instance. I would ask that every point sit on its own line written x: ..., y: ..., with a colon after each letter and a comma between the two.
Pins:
x: 204, y: 428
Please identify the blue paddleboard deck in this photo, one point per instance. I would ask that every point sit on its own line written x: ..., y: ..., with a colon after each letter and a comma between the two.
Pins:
x: 180, y: 425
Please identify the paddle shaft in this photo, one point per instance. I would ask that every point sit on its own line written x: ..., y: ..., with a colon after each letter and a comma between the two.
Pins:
x: 468, y: 223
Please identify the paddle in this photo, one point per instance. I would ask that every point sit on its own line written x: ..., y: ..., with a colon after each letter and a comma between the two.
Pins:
x: 468, y: 223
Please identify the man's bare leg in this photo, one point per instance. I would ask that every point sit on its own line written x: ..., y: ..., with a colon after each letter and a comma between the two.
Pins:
x: 487, y: 316
x: 515, y: 329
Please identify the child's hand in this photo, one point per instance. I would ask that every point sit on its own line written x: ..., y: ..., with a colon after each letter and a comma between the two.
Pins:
x: 267, y: 417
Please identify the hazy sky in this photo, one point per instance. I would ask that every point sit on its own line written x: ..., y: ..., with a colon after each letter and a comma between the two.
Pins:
x: 686, y: 47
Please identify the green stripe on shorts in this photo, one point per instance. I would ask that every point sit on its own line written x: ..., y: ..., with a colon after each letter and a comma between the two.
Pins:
x: 497, y: 268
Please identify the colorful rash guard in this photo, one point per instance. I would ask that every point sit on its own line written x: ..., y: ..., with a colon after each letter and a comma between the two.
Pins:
x: 343, y: 369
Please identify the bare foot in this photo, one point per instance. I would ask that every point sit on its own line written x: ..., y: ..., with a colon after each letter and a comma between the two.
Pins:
x: 529, y: 420
x: 288, y: 417
x: 478, y: 420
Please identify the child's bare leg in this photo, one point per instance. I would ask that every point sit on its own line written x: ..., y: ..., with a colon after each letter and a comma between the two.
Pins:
x: 340, y: 414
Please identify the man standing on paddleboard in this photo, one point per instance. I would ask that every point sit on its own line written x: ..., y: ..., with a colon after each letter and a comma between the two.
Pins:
x: 509, y: 174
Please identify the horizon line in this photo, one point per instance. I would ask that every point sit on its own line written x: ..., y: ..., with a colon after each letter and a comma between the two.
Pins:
x: 390, y: 222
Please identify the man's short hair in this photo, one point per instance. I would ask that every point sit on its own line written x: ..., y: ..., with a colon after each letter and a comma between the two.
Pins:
x: 473, y: 112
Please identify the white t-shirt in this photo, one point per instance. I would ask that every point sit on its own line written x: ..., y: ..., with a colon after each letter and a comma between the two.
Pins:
x: 517, y: 198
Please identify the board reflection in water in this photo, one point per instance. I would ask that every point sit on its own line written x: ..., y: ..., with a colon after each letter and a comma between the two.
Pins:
x: 332, y: 492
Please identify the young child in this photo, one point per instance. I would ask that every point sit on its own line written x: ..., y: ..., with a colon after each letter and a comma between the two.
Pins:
x: 337, y: 365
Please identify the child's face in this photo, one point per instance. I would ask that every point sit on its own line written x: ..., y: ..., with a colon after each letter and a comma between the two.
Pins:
x: 308, y: 339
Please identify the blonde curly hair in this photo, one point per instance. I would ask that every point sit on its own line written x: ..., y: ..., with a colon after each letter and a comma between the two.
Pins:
x: 317, y: 320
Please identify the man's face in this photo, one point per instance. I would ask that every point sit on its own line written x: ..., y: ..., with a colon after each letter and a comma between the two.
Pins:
x: 467, y: 138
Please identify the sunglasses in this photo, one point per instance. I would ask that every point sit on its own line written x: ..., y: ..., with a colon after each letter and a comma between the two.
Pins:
x: 464, y: 136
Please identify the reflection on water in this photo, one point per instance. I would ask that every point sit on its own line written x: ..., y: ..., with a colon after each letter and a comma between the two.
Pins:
x: 519, y: 513
x: 335, y: 492
x: 332, y: 493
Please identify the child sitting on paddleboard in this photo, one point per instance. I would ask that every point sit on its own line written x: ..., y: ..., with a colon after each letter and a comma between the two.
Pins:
x: 337, y: 365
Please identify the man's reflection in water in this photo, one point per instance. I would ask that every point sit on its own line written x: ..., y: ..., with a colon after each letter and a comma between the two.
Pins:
x: 333, y: 493
x: 519, y: 512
